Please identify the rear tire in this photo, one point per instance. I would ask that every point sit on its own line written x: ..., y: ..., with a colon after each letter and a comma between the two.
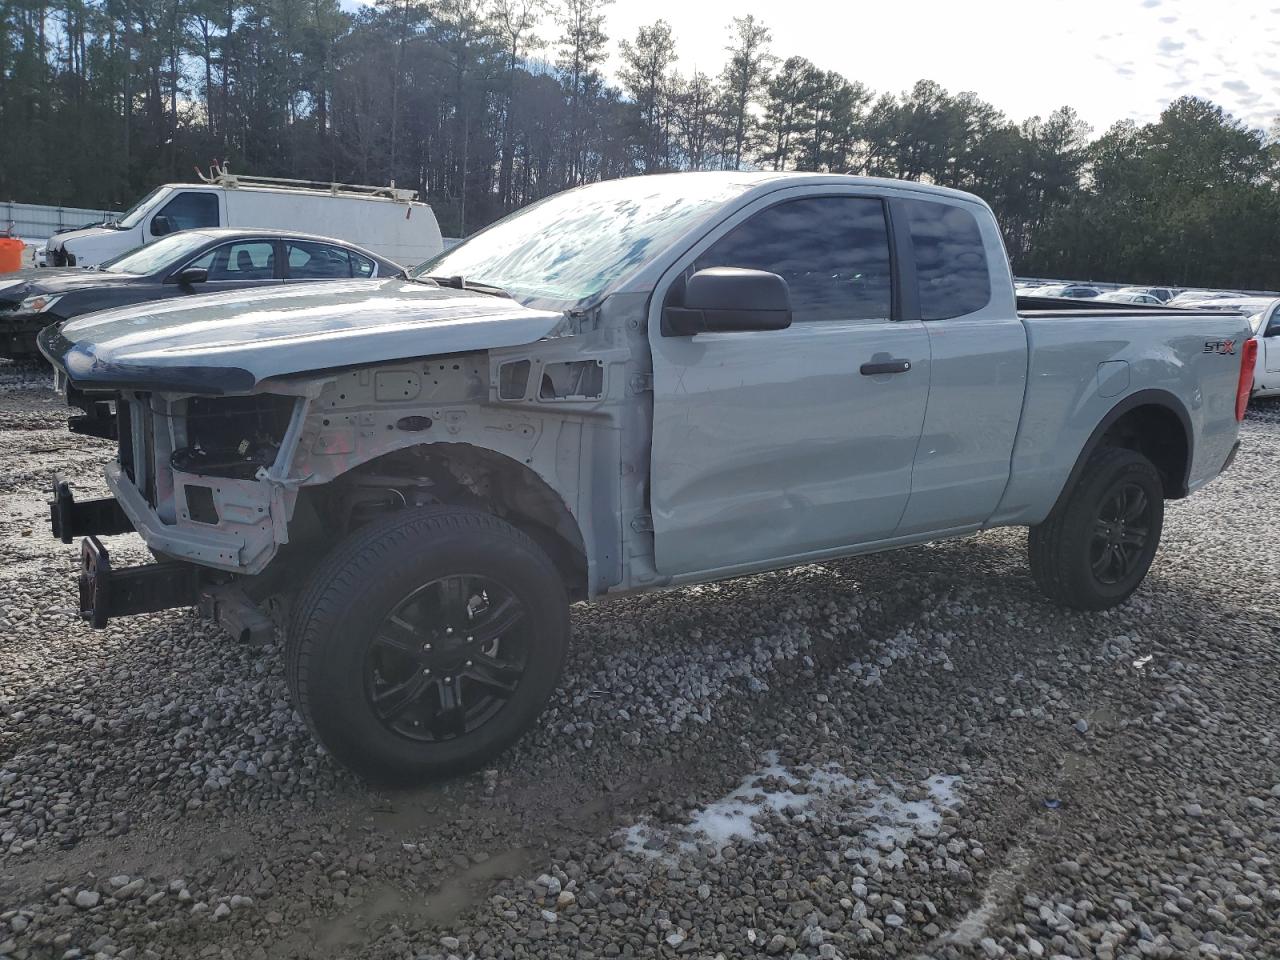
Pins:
x: 1096, y: 547
x: 426, y: 643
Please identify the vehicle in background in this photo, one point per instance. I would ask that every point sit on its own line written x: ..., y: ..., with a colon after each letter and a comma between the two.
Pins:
x: 181, y: 264
x: 1194, y: 298
x: 1122, y: 296
x: 1159, y: 294
x: 386, y: 220
x: 1266, y: 330
x: 633, y: 385
x: 1068, y: 291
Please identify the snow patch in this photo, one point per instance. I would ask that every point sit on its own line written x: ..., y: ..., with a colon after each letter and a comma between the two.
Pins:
x: 894, y: 822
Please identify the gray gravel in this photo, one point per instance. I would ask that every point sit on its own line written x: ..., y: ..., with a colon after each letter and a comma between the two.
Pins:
x: 905, y: 755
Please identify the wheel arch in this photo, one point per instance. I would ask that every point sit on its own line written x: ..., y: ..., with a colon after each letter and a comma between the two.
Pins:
x: 1152, y: 422
x: 465, y: 474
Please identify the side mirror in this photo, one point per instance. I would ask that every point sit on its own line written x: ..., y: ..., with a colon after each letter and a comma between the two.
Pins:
x: 191, y: 275
x: 725, y: 299
x: 161, y: 225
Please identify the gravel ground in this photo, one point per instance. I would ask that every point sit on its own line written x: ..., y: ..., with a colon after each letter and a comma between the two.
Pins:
x: 903, y: 755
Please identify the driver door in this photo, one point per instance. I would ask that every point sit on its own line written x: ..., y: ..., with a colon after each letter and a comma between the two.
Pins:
x: 770, y: 447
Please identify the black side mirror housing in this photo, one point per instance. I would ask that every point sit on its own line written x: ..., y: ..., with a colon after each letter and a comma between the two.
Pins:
x: 191, y: 275
x: 161, y: 225
x: 727, y: 299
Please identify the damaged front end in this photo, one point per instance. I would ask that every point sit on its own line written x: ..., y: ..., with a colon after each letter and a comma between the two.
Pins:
x: 203, y: 481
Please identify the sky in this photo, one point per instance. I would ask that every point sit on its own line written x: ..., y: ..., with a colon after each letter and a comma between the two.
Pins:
x: 1110, y: 59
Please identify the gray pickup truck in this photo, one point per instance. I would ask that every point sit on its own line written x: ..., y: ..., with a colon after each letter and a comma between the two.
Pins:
x: 628, y: 386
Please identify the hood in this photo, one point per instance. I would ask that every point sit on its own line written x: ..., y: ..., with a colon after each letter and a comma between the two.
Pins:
x: 16, y: 287
x: 229, y: 342
x: 93, y: 245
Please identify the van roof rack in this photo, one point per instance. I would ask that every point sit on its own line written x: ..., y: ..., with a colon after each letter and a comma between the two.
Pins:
x: 221, y: 175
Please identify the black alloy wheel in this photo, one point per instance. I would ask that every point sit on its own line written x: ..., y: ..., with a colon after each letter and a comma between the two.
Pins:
x: 1120, y: 534
x: 447, y: 659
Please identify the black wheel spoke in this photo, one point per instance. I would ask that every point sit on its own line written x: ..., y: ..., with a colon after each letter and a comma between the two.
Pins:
x: 401, y: 636
x: 399, y: 697
x: 1135, y: 505
x: 451, y: 720
x: 496, y: 675
x: 1134, y: 536
x: 495, y: 620
x: 1102, y: 562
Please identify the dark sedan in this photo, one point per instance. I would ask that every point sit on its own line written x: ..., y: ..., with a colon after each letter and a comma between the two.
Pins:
x: 181, y: 264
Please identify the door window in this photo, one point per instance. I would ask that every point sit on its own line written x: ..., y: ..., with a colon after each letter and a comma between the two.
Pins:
x: 190, y: 210
x: 832, y: 251
x: 951, y: 261
x: 243, y: 260
x: 319, y: 261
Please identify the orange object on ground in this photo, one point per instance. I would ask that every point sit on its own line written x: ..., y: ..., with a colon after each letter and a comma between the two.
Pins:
x: 12, y: 250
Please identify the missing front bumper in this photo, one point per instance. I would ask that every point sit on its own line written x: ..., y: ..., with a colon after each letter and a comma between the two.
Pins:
x: 106, y: 592
x: 88, y: 518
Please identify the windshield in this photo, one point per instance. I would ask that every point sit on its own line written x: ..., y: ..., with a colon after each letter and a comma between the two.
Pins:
x: 155, y: 256
x: 133, y: 216
x: 576, y: 244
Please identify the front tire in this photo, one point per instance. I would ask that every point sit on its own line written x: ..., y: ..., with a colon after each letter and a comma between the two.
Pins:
x: 1095, y: 549
x: 426, y: 643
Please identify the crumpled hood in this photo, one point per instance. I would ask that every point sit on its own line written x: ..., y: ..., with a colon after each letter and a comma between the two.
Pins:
x: 227, y: 343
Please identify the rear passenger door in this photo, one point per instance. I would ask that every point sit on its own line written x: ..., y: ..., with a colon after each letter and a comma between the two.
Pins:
x: 769, y: 447
x: 978, y: 363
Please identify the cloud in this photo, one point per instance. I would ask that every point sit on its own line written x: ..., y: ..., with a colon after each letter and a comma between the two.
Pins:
x: 1169, y: 19
x: 1168, y: 46
x: 1235, y: 86
x: 1151, y: 3
x: 1123, y: 70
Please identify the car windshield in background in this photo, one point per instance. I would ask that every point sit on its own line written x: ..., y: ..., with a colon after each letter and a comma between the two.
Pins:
x: 132, y: 216
x: 576, y: 244
x: 144, y: 260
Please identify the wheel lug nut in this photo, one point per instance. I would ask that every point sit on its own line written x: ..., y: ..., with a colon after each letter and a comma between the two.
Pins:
x: 426, y: 646
x: 468, y: 663
x: 448, y: 679
x: 448, y: 629
x: 470, y: 639
x: 426, y: 673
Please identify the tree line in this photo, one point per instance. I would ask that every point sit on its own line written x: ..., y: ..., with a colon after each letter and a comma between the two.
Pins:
x: 487, y: 105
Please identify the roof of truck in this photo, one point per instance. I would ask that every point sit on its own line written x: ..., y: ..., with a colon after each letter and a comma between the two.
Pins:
x: 760, y: 177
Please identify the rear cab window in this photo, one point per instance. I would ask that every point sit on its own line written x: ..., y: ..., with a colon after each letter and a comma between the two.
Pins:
x: 952, y: 273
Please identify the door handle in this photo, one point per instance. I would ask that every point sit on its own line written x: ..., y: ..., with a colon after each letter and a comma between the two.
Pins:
x: 884, y: 366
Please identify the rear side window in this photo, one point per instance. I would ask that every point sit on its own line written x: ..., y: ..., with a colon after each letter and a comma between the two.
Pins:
x: 317, y: 261
x: 832, y: 251
x: 951, y: 262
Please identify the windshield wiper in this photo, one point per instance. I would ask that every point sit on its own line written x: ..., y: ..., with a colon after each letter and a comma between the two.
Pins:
x: 462, y: 283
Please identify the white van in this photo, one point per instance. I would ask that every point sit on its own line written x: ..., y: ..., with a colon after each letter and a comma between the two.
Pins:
x: 386, y: 220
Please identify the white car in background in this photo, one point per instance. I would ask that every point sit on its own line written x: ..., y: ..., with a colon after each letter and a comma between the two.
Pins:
x: 1266, y: 330
x: 1197, y: 298
x: 1130, y: 296
x: 1159, y: 294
